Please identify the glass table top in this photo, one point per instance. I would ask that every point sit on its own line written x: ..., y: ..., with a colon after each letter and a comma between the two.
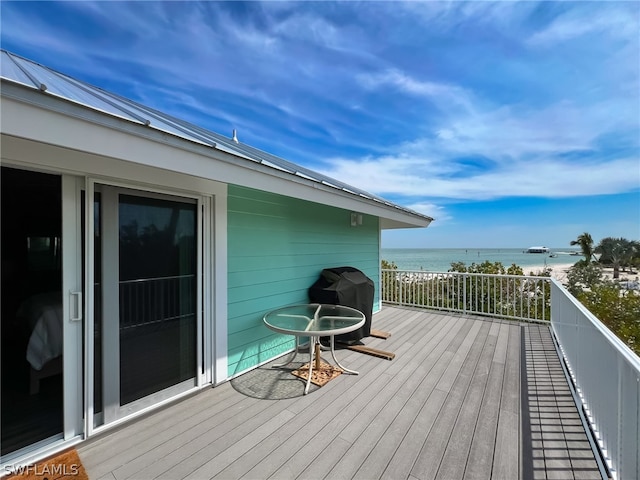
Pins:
x: 314, y: 319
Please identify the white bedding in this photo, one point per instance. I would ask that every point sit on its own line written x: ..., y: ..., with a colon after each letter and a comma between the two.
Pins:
x: 44, y: 313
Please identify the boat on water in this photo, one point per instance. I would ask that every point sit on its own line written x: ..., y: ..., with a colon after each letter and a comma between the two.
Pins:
x: 537, y: 250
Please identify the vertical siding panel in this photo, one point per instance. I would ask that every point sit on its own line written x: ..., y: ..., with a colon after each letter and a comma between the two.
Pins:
x: 277, y: 247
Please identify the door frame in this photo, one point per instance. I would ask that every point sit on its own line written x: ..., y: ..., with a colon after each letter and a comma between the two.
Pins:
x: 204, y: 301
x: 73, y: 314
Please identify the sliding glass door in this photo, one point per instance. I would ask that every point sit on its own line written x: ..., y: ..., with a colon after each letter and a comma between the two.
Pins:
x: 118, y: 267
x: 41, y: 322
x: 146, y: 299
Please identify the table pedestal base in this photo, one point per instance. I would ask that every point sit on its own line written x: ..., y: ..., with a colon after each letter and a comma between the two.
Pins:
x: 315, y: 361
x: 320, y: 375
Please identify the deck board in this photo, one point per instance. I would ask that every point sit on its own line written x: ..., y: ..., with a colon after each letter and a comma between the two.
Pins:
x: 506, y: 456
x: 465, y: 397
x: 479, y: 461
x: 463, y: 430
x: 433, y: 450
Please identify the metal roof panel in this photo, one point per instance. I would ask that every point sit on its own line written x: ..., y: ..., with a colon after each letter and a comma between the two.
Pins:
x: 11, y: 70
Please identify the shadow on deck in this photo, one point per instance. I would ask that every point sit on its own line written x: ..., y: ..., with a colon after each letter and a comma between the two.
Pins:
x: 465, y: 397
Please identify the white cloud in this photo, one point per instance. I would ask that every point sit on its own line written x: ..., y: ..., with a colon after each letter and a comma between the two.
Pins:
x: 539, y: 178
x: 512, y: 131
x: 442, y: 94
x: 146, y: 19
x: 621, y: 23
x: 478, y: 150
x: 469, y: 125
x: 448, y: 15
x: 438, y: 212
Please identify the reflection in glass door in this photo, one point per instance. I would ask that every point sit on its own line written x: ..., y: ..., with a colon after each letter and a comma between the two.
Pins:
x: 149, y: 249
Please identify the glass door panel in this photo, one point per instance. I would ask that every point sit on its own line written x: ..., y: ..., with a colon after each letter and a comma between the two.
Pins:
x: 158, y: 260
x: 32, y: 388
x: 148, y: 292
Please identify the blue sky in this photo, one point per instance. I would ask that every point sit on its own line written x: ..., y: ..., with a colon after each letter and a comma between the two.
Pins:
x: 513, y: 124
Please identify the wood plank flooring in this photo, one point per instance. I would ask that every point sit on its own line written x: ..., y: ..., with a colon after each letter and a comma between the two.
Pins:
x: 448, y: 406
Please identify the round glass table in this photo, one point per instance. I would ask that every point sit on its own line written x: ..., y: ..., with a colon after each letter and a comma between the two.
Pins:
x: 314, y: 320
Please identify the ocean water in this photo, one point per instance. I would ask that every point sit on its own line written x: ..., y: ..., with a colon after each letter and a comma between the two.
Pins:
x: 440, y: 259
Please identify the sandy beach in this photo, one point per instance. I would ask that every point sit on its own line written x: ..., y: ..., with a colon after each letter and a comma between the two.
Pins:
x: 559, y: 272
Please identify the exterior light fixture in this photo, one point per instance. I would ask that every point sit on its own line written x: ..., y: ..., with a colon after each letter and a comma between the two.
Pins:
x: 356, y: 219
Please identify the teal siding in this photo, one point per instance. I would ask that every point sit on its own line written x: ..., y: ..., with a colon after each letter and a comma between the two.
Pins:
x: 277, y: 247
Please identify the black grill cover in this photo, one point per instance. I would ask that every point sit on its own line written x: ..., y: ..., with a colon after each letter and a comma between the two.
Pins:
x: 350, y: 287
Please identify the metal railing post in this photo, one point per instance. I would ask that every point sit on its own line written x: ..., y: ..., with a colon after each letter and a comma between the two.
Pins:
x: 464, y: 292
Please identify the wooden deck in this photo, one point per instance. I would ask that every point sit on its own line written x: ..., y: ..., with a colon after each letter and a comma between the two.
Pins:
x: 464, y: 397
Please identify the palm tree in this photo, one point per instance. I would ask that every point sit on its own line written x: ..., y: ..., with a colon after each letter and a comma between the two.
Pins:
x: 585, y: 242
x: 634, y: 254
x: 616, y: 252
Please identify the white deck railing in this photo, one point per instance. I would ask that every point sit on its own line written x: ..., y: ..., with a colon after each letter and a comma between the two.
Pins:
x: 149, y: 301
x: 604, y: 371
x: 606, y: 377
x: 517, y: 297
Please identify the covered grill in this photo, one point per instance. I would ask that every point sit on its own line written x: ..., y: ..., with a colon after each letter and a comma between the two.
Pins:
x: 350, y: 287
